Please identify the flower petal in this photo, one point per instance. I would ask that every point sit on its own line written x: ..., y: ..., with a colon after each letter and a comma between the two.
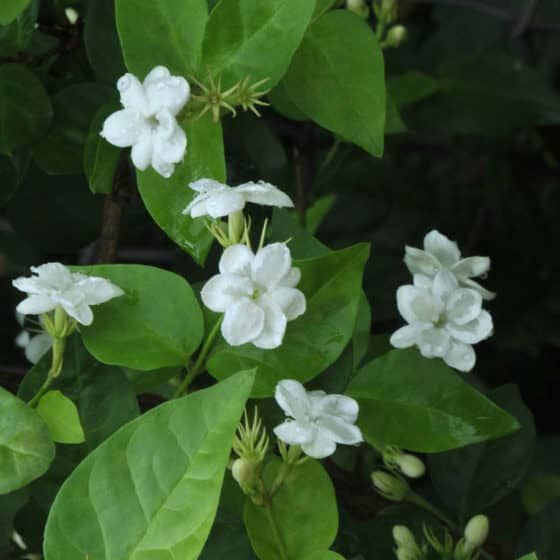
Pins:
x: 197, y: 206
x: 31, y: 284
x: 291, y: 301
x: 292, y: 398
x: 471, y: 266
x: 463, y: 306
x: 274, y: 327
x: 339, y: 430
x: 405, y: 337
x: 36, y: 304
x: 53, y: 275
x: 433, y: 342
x: 81, y: 312
x: 442, y: 248
x: 340, y: 406
x: 236, y: 259
x: 473, y: 331
x: 294, y: 433
x: 132, y: 94
x: 265, y: 194
x: 206, y: 185
x: 125, y: 128
x: 417, y: 305
x: 243, y: 322
x: 23, y: 338
x: 271, y: 264
x: 142, y: 152
x: 420, y: 262
x: 97, y: 290
x: 38, y: 346
x: 444, y: 284
x: 486, y: 294
x: 222, y: 291
x: 224, y: 202
x: 165, y: 91
x: 460, y: 356
x: 291, y: 278
x: 319, y: 447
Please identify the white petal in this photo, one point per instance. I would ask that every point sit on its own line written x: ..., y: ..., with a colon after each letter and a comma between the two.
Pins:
x: 471, y: 266
x: 132, y: 94
x: 243, y: 322
x: 463, y: 306
x: 460, y: 356
x: 405, y: 337
x: 125, y: 128
x: 38, y: 346
x: 81, y: 312
x: 236, y: 259
x: 222, y: 291
x: 31, y: 284
x: 339, y: 431
x: 319, y: 447
x: 22, y: 339
x: 486, y: 294
x: 170, y: 141
x: 224, y: 202
x: 417, y: 305
x: 142, y: 152
x: 294, y: 433
x: 165, y: 91
x: 163, y: 168
x: 292, y: 398
x: 291, y: 301
x: 291, y: 278
x: 98, y: 290
x: 473, y: 331
x: 444, y: 284
x: 423, y: 281
x: 274, y: 326
x: 340, y: 406
x: 55, y: 275
x: 271, y: 264
x: 265, y: 194
x: 206, y: 185
x: 420, y: 262
x: 433, y: 342
x: 35, y: 305
x: 197, y: 206
x: 443, y: 249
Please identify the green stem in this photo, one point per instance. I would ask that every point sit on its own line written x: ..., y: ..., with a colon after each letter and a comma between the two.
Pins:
x: 276, y: 531
x: 198, y: 366
x: 59, y: 345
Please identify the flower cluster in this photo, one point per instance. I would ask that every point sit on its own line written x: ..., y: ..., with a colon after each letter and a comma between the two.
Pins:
x: 443, y: 307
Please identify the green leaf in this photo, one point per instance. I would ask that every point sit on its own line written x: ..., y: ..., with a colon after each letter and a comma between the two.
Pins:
x: 324, y: 555
x: 541, y: 534
x: 317, y: 212
x: 531, y: 556
x: 152, y: 489
x: 422, y: 405
x: 10, y: 504
x: 9, y: 179
x: 167, y: 32
x: 362, y: 331
x: 26, y: 447
x: 337, y: 79
x: 332, y: 286
x: 394, y: 123
x: 61, y: 416
x: 100, y: 158
x: 165, y: 199
x: 473, y: 478
x: 10, y: 10
x: 25, y: 108
x: 157, y: 323
x: 322, y: 6
x: 539, y: 491
x: 411, y: 87
x: 252, y: 39
x: 61, y: 152
x: 16, y: 37
x: 302, y: 519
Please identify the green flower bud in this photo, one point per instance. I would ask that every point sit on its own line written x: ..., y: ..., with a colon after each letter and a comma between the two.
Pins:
x: 403, y: 537
x: 476, y: 531
x: 396, y: 36
x: 390, y: 486
x: 245, y: 471
x: 406, y: 554
x: 410, y: 465
x: 359, y: 7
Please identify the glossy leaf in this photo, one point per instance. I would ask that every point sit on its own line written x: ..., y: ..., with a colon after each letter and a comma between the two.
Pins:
x: 10, y: 9
x: 302, y: 519
x: 531, y: 556
x: 341, y: 84
x: 167, y: 32
x: 157, y: 323
x: 165, y: 199
x: 25, y: 108
x: 332, y: 286
x: 152, y: 489
x: 17, y: 35
x: 324, y: 555
x: 254, y: 39
x: 26, y: 447
x: 61, y: 416
x: 411, y: 87
x: 475, y: 477
x: 322, y: 6
x: 422, y: 405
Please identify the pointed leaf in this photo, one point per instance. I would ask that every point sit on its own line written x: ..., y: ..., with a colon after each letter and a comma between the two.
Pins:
x: 61, y: 416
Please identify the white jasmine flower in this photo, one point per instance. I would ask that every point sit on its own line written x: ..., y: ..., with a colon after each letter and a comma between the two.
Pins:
x: 34, y: 347
x: 441, y: 254
x: 444, y: 321
x: 147, y: 122
x: 216, y: 200
x: 317, y: 421
x: 56, y: 286
x: 257, y: 293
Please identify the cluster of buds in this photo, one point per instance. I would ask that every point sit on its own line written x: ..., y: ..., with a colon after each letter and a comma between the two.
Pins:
x: 388, y: 33
x: 359, y: 7
x: 408, y: 464
x: 390, y: 485
x: 407, y: 548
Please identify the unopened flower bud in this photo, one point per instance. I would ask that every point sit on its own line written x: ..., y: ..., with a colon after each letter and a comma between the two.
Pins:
x: 71, y: 15
x: 406, y: 554
x: 403, y: 537
x: 396, y: 36
x: 359, y: 7
x: 390, y: 486
x: 245, y: 471
x: 476, y: 531
x: 410, y: 465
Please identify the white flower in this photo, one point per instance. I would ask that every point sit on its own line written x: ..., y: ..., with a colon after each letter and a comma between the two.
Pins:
x: 257, y: 293
x: 56, y: 286
x: 34, y: 347
x: 147, y: 122
x: 318, y: 421
x: 444, y: 320
x: 216, y: 200
x: 441, y: 254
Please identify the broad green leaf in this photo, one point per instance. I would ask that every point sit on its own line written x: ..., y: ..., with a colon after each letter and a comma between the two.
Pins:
x: 165, y: 199
x: 252, y: 39
x: 317, y: 212
x: 531, y: 556
x: 61, y: 416
x: 472, y: 478
x: 10, y: 504
x: 332, y: 286
x: 324, y: 555
x: 393, y: 122
x: 340, y: 83
x: 157, y: 323
x: 25, y: 108
x: 541, y: 534
x: 422, y: 405
x: 26, y: 447
x: 100, y: 158
x: 411, y: 87
x: 362, y: 331
x: 152, y: 489
x: 102, y: 42
x: 61, y: 152
x: 302, y: 519
x: 539, y: 491
x: 10, y: 10
x: 321, y: 6
x: 166, y: 32
x: 17, y: 35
